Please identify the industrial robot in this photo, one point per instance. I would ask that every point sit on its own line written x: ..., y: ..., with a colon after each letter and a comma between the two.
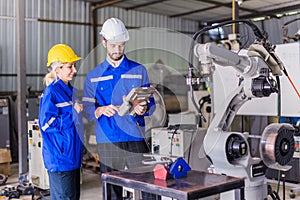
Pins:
x: 229, y: 151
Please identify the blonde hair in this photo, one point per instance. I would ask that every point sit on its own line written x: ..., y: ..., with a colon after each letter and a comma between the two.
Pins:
x: 51, y: 75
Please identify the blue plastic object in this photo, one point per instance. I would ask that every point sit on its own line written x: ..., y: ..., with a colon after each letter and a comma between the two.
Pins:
x: 179, y: 168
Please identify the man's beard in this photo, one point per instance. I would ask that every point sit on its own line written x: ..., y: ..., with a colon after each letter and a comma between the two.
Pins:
x: 114, y: 58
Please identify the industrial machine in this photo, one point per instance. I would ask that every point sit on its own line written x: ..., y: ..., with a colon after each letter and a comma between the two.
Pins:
x: 37, y: 172
x: 178, y: 141
x: 258, y: 70
x: 230, y: 151
x: 171, y: 141
x: 175, y: 150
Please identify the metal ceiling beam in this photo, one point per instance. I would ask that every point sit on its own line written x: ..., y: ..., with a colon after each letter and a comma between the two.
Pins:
x: 106, y: 3
x: 267, y: 13
x: 216, y: 5
x: 228, y: 5
x: 194, y: 11
x: 145, y: 4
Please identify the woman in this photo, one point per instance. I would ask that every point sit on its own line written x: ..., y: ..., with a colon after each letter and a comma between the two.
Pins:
x: 61, y: 125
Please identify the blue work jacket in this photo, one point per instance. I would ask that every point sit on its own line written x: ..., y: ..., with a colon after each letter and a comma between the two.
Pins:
x: 61, y: 128
x: 106, y: 85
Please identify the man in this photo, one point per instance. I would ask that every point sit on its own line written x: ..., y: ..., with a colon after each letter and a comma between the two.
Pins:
x: 120, y: 139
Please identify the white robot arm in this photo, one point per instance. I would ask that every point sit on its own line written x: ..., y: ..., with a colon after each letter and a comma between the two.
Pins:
x: 255, y: 72
x: 230, y: 151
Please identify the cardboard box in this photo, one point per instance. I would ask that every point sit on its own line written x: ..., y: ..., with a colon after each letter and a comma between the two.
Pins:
x: 5, y: 156
x: 5, y: 168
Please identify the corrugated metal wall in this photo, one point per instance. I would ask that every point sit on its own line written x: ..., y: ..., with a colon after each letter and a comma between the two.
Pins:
x: 68, y: 21
x: 43, y: 30
x: 7, y: 43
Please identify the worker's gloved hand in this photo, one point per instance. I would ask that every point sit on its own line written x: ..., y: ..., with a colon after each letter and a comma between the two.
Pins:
x: 108, y: 111
x: 78, y: 107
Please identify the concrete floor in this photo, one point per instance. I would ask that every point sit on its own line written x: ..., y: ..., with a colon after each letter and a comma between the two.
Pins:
x: 91, y: 188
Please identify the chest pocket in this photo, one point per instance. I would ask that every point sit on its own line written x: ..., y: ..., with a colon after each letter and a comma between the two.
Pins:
x: 65, y: 109
x: 104, y: 86
x: 104, y: 83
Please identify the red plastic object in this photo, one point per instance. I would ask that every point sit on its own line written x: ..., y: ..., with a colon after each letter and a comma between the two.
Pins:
x: 161, y: 172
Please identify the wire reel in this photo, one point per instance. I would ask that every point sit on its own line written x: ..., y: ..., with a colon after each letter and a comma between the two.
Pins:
x: 277, y: 145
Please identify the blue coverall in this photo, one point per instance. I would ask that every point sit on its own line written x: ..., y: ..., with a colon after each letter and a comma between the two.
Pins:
x: 120, y: 139
x: 107, y: 85
x: 62, y: 139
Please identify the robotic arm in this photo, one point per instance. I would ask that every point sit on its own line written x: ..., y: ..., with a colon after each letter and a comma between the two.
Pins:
x: 230, y: 151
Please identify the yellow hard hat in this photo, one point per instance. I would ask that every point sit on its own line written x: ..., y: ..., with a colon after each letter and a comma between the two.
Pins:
x: 61, y: 53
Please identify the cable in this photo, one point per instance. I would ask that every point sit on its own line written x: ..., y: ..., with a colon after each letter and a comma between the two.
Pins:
x: 294, y: 87
x: 195, y: 104
x: 190, y: 146
x: 278, y: 182
x: 291, y: 21
x: 171, y: 142
x: 278, y: 98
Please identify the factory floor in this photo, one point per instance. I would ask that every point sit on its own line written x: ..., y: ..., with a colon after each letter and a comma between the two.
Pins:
x: 91, y: 187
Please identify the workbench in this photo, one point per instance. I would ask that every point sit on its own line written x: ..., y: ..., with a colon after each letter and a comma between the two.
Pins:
x: 195, y: 185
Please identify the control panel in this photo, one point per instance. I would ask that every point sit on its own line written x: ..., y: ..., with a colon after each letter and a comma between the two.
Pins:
x: 37, y: 172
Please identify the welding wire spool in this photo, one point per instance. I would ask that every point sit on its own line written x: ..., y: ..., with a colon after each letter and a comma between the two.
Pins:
x: 270, y: 146
x: 277, y: 144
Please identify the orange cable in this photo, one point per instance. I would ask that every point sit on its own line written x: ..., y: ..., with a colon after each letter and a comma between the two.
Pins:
x: 293, y: 86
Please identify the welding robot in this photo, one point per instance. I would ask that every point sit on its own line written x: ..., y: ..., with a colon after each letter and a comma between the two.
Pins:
x: 229, y: 151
